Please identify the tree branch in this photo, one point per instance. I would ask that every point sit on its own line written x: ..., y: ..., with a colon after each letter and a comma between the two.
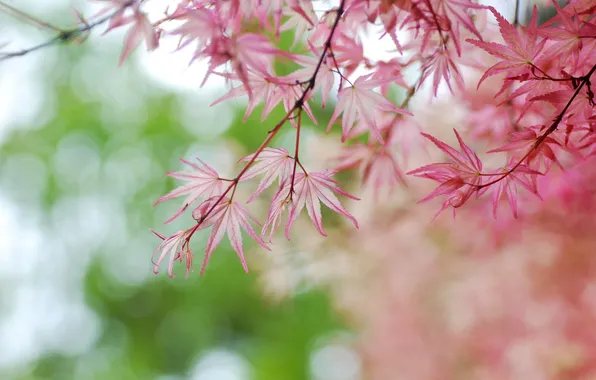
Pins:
x: 63, y: 35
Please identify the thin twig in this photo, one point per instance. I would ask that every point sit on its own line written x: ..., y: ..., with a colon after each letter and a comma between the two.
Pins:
x: 64, y: 35
x: 27, y: 17
x: 516, y: 16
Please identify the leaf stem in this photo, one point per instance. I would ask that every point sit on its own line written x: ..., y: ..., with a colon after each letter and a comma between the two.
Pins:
x: 296, y: 150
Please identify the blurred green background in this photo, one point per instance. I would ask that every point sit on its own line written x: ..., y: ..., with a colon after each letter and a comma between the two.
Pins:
x: 84, y: 146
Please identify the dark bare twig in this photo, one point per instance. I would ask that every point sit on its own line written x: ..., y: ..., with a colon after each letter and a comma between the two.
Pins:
x: 64, y: 35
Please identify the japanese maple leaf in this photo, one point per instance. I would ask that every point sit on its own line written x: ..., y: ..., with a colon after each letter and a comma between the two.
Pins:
x: 360, y: 101
x: 204, y: 182
x: 245, y: 52
x: 568, y: 37
x: 458, y: 179
x: 255, y: 51
x: 230, y: 219
x: 442, y: 65
x: 348, y: 51
x: 391, y: 71
x: 520, y: 142
x: 387, y: 14
x: 377, y: 166
x: 310, y: 190
x: 519, y: 54
x: 279, y: 203
x: 580, y: 111
x: 273, y: 163
x: 310, y: 64
x: 522, y: 175
x: 199, y: 25
x: 458, y: 13
x: 265, y: 88
x: 290, y: 95
x: 140, y: 30
x: 532, y: 88
x: 267, y: 9
x: 586, y: 7
x: 177, y: 247
x: 301, y: 18
x: 117, y: 6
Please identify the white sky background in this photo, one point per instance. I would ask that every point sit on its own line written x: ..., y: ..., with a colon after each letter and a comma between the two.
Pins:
x: 38, y: 272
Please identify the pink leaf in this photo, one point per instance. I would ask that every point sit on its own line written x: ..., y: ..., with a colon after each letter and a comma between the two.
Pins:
x: 202, y: 182
x: 458, y: 179
x: 360, y: 101
x: 177, y: 247
x: 231, y: 220
x: 310, y: 190
x: 273, y: 163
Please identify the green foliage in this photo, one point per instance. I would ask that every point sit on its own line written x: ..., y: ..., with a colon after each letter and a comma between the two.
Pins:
x: 160, y: 325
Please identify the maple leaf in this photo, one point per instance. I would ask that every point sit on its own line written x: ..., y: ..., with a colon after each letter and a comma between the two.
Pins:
x: 458, y: 10
x: 244, y: 52
x: 378, y: 166
x: 580, y: 111
x: 310, y: 64
x: 301, y: 18
x: 360, y: 101
x: 458, y: 179
x: 443, y: 66
x: 310, y: 190
x: 387, y: 13
x: 141, y: 28
x: 264, y: 88
x: 390, y: 71
x: 273, y: 163
x: 522, y: 175
x: 256, y: 52
x: 204, y: 182
x: 117, y: 6
x: 586, y: 7
x: 248, y: 52
x: 348, y: 51
x: 177, y: 247
x: 567, y: 39
x: 200, y: 24
x: 292, y: 94
x: 229, y: 219
x: 521, y: 51
x: 279, y: 203
x: 522, y: 141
